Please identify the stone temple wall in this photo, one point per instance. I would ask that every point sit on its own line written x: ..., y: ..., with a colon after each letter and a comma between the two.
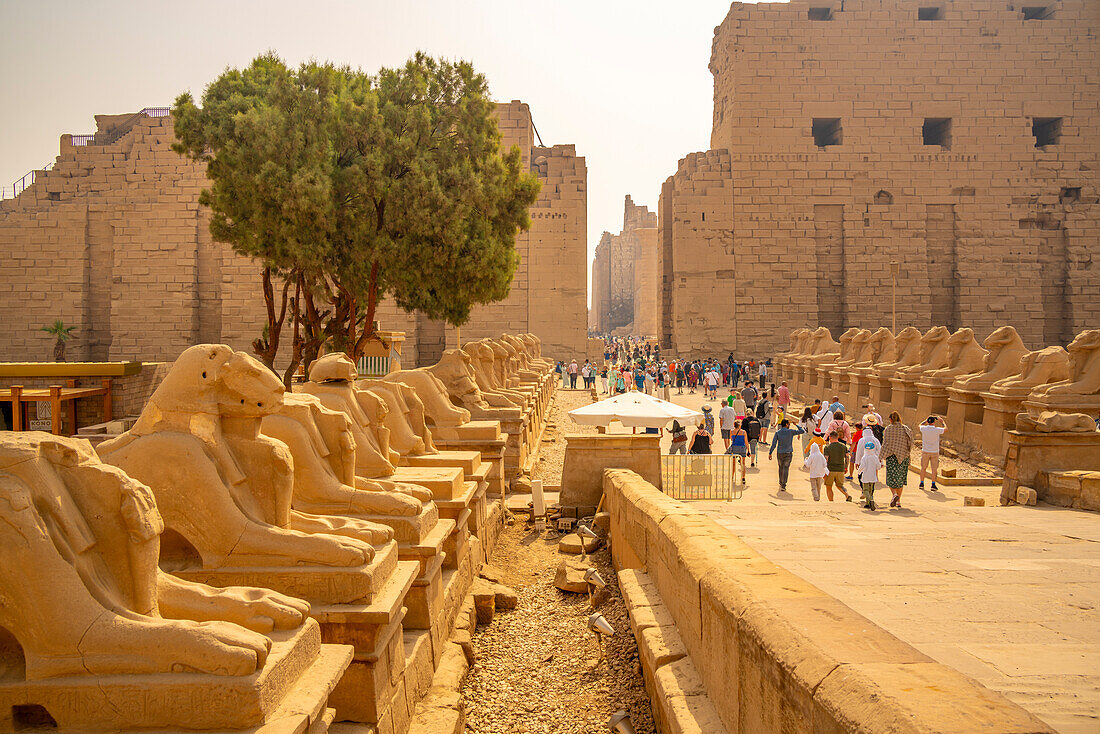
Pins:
x: 959, y: 139
x: 624, y: 275
x: 112, y: 240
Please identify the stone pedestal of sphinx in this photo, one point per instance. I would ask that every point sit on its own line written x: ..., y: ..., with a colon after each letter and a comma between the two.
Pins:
x: 226, y: 492
x: 965, y: 358
x: 935, y: 354
x: 965, y: 405
x: 877, y: 349
x: 1004, y: 399
x: 791, y: 363
x: 460, y: 382
x: 97, y: 638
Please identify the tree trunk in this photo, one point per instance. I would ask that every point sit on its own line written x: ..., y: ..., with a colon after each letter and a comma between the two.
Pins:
x: 59, y: 350
x: 296, y: 343
x: 368, y: 323
x: 266, y: 346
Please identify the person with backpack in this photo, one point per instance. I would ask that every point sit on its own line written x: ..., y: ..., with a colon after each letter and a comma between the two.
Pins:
x: 679, y: 438
x: 783, y: 447
x: 751, y: 426
x: 764, y: 415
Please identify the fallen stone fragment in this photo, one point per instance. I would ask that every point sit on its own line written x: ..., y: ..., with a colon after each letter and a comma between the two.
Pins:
x: 974, y: 501
x: 570, y: 575
x: 485, y: 604
x: 505, y: 598
x: 491, y: 573
x: 601, y: 523
x: 1026, y: 496
x: 571, y: 544
x: 463, y: 639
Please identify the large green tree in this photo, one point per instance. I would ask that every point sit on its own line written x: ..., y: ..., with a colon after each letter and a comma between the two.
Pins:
x: 356, y: 188
x: 269, y: 167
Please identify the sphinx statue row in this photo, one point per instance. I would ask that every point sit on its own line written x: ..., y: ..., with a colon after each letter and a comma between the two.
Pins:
x: 985, y: 389
x: 246, y: 559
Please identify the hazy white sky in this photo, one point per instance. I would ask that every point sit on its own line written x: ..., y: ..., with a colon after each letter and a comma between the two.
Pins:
x: 627, y: 82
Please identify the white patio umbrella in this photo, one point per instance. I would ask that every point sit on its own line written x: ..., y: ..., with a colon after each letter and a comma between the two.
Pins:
x: 634, y: 410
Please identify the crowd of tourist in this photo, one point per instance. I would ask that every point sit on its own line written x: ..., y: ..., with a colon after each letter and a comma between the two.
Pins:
x: 835, y: 451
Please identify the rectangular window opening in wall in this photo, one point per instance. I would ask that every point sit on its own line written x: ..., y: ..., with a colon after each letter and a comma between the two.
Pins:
x: 1047, y: 130
x: 937, y: 131
x: 930, y: 13
x: 826, y: 131
x: 1070, y: 195
x: 820, y: 13
x: 1038, y: 12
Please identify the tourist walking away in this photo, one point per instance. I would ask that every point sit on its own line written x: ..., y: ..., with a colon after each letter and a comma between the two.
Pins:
x: 650, y: 382
x: 584, y: 374
x: 868, y: 437
x: 573, y: 375
x: 738, y: 448
x: 808, y: 426
x: 559, y: 368
x: 662, y: 380
x: 603, y: 379
x: 930, y: 432
x: 727, y: 416
x: 739, y: 406
x: 763, y: 374
x: 783, y: 446
x: 708, y: 419
x: 764, y: 415
x: 749, y: 394
x: 897, y: 443
x: 783, y: 396
x: 700, y: 440
x: 853, y: 458
x: 836, y: 454
x: 679, y: 438
x: 836, y: 405
x: 868, y: 473
x: 680, y: 378
x: 818, y: 467
x: 751, y: 426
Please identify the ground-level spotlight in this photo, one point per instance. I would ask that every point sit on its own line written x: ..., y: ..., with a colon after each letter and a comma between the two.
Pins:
x: 599, y: 624
x: 592, y: 576
x: 620, y: 723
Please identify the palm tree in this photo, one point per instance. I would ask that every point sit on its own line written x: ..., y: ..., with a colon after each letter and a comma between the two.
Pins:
x: 63, y: 334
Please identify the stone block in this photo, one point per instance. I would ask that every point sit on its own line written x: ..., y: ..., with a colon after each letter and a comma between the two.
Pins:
x: 1026, y: 496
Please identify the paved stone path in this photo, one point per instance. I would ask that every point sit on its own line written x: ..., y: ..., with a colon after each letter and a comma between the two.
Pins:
x: 1007, y: 595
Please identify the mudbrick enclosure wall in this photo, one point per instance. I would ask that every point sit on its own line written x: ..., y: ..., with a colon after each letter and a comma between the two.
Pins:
x: 959, y: 140
x: 112, y: 240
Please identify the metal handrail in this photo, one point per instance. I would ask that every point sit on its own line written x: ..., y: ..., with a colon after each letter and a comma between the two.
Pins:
x: 21, y: 184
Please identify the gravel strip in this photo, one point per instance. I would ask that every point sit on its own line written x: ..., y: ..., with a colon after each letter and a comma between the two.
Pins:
x: 539, y: 669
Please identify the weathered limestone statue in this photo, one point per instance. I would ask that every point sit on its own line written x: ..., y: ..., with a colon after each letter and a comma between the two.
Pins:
x: 907, y: 351
x: 878, y: 347
x: 220, y: 484
x: 82, y: 590
x: 964, y: 357
x: 805, y: 342
x: 794, y: 340
x: 822, y: 344
x: 856, y: 347
x: 332, y: 381
x: 440, y: 414
x: 1084, y: 379
x: 535, y: 347
x: 1035, y: 369
x: 455, y: 371
x: 409, y: 433
x: 1049, y: 421
x: 935, y: 353
x: 322, y: 443
x: 526, y: 358
x: 109, y: 642
x: 845, y: 354
x: 1006, y: 349
x: 483, y: 368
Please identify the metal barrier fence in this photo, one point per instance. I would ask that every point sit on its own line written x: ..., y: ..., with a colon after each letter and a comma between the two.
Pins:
x: 700, y: 477
x: 373, y: 366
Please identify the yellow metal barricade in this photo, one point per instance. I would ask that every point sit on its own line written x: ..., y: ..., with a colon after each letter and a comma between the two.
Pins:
x: 699, y: 477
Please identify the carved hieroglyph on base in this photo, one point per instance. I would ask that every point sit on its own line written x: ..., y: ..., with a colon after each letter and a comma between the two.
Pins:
x: 99, y: 636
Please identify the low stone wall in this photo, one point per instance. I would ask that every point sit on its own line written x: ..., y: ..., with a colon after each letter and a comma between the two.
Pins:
x: 766, y: 651
x: 1077, y: 489
x: 588, y: 455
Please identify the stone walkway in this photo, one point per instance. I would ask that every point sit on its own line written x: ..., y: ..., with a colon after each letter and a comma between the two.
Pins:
x: 1007, y: 595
